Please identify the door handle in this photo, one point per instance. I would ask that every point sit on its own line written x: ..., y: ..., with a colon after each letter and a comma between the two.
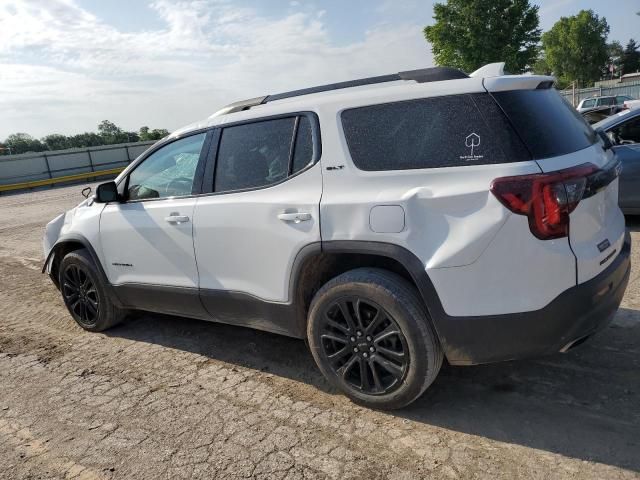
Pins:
x: 174, y: 218
x: 296, y: 217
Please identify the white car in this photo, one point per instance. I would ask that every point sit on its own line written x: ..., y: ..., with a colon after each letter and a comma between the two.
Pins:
x: 391, y: 221
x: 601, y: 102
x: 632, y: 104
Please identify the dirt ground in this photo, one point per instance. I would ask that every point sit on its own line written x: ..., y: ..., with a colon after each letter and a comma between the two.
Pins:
x: 164, y: 397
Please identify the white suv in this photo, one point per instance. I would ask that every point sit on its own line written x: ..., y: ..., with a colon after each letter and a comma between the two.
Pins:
x: 390, y: 221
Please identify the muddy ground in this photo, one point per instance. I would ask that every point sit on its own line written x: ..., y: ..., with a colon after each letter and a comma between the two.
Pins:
x: 165, y: 397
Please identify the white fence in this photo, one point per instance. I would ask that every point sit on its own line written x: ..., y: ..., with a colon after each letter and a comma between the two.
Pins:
x: 30, y: 167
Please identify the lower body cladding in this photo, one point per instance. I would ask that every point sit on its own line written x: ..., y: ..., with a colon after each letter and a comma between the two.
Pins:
x: 569, y: 319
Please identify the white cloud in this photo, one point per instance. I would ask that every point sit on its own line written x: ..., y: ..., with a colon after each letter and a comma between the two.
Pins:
x: 63, y: 69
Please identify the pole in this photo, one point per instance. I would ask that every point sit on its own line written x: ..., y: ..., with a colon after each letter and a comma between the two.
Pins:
x: 573, y: 92
x: 46, y: 161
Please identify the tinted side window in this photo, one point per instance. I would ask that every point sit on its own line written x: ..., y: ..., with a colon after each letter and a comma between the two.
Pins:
x: 627, y: 133
x: 303, y: 150
x: 547, y: 123
x: 588, y: 103
x: 607, y: 101
x: 167, y: 172
x: 431, y: 132
x: 254, y: 155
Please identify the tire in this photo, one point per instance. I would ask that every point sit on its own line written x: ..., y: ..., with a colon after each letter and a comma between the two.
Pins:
x: 396, y: 354
x: 84, y: 293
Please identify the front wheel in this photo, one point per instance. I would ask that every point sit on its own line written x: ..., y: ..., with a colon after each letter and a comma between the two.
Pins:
x: 370, y: 336
x: 85, y: 295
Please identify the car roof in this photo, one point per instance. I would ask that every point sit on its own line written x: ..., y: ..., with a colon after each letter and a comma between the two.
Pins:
x: 601, y: 96
x: 373, y: 90
x: 615, y: 119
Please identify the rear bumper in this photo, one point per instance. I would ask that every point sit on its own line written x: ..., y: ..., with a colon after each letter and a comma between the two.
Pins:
x: 569, y: 319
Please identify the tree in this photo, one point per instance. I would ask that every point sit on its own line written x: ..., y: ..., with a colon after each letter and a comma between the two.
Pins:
x: 144, y: 134
x: 576, y: 48
x: 615, y: 53
x: 56, y: 141
x: 631, y: 58
x: 158, y: 133
x: 111, y: 133
x: 84, y: 140
x: 23, y: 143
x: 468, y: 34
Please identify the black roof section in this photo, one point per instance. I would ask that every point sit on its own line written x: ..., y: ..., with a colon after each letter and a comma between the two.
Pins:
x: 423, y: 75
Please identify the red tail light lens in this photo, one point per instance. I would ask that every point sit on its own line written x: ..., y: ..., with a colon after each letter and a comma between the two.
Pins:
x: 546, y: 199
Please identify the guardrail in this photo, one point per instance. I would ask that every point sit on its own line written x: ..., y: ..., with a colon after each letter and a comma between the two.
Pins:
x: 31, y: 170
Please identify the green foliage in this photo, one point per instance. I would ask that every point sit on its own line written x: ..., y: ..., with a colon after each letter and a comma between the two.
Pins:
x: 23, y: 143
x: 615, y: 53
x: 631, y: 58
x: 56, y: 141
x: 108, y: 134
x: 576, y: 48
x: 468, y: 34
x: 155, y: 134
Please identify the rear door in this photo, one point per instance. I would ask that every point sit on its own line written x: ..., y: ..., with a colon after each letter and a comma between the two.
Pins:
x: 263, y: 209
x: 559, y: 138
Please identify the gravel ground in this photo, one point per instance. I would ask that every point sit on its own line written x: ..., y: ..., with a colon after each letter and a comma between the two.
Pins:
x: 166, y: 397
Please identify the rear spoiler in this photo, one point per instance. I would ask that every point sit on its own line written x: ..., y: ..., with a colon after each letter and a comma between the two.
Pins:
x: 518, y: 82
x: 495, y: 79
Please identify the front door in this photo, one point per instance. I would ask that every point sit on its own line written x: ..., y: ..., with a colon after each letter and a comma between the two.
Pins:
x: 147, y: 239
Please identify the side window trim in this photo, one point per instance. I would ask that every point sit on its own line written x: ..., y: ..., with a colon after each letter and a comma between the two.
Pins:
x: 210, y: 171
x: 211, y: 162
x: 292, y: 146
x: 196, y: 188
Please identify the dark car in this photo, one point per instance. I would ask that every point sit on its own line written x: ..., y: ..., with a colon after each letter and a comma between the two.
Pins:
x: 623, y: 129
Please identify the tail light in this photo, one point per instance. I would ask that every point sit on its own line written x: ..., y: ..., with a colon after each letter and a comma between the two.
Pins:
x: 546, y: 199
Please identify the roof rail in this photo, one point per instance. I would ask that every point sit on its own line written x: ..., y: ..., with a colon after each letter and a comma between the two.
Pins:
x: 423, y: 75
x: 239, y: 106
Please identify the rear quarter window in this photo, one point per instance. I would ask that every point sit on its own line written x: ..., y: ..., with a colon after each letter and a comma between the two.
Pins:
x: 431, y: 132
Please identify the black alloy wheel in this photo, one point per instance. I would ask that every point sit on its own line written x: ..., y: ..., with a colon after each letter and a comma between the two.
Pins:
x: 80, y: 295
x: 364, y: 345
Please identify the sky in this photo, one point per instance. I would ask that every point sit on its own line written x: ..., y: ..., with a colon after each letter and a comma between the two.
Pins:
x: 65, y: 65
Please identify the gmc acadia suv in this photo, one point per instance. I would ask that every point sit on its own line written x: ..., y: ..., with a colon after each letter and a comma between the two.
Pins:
x: 390, y: 221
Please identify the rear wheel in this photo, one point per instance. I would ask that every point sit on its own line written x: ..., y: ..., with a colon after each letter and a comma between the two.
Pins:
x: 84, y: 294
x: 370, y: 336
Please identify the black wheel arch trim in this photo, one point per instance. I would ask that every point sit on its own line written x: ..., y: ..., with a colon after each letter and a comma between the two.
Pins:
x: 81, y: 239
x: 407, y: 259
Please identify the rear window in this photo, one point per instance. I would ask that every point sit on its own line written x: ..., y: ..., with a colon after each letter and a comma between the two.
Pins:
x: 431, y: 132
x: 547, y: 123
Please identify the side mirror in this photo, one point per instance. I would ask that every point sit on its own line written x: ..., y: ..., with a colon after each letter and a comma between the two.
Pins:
x: 107, y: 192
